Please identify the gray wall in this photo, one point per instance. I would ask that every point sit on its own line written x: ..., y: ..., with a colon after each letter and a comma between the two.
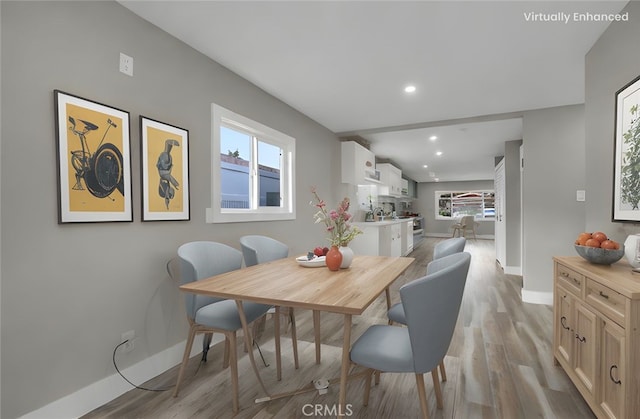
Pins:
x: 512, y: 203
x: 425, y: 205
x: 553, y: 170
x: 610, y: 64
x: 69, y: 291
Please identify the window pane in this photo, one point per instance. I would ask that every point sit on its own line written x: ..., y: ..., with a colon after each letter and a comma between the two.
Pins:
x: 235, y: 152
x: 467, y: 204
x: 269, y: 165
x: 489, y: 205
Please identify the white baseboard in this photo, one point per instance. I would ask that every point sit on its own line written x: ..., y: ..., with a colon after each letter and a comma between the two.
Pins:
x: 448, y: 235
x: 101, y: 392
x: 537, y: 297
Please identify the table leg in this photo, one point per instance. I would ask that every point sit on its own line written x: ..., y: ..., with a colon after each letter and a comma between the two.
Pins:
x: 346, y: 363
x: 247, y: 341
x: 276, y: 325
x: 316, y: 329
x: 387, y: 294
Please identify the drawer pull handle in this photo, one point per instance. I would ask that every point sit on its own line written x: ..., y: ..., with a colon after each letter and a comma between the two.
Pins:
x: 562, y: 320
x: 603, y: 295
x: 611, y: 374
x: 581, y: 339
x: 566, y: 275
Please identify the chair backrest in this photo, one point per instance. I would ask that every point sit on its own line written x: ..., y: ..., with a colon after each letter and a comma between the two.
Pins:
x: 468, y: 221
x: 203, y: 259
x: 260, y: 249
x: 449, y: 247
x: 431, y: 305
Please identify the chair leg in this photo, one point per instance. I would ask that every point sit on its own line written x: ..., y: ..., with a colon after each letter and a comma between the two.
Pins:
x: 185, y: 358
x: 294, y: 336
x: 225, y: 358
x: 276, y: 320
x: 422, y: 394
x: 442, y: 371
x: 233, y: 361
x: 206, y: 343
x: 316, y: 329
x: 436, y: 387
x: 367, y: 388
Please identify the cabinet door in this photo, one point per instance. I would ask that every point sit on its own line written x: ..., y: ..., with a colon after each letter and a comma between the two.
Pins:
x: 564, y: 334
x: 612, y: 373
x: 586, y: 363
x: 396, y: 239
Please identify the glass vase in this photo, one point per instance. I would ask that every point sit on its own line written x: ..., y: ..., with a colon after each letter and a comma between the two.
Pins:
x: 333, y: 259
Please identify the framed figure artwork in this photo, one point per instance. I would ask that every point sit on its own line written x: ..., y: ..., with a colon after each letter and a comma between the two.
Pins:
x: 165, y: 171
x: 93, y: 161
x: 626, y: 177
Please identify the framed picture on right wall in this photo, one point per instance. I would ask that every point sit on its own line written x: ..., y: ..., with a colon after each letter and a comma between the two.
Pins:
x: 626, y: 176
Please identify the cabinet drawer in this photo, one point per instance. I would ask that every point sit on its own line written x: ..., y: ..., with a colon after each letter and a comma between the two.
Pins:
x: 570, y: 279
x: 606, y: 300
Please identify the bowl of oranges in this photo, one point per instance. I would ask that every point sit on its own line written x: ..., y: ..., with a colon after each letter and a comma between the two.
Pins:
x: 598, y: 248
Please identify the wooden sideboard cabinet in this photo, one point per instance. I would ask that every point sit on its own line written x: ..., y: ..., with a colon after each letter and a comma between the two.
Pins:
x: 596, y: 335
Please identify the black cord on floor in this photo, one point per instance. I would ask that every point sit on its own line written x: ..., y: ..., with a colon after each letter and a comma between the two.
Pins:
x: 125, y: 378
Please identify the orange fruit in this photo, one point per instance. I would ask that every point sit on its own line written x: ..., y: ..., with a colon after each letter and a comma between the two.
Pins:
x: 600, y: 236
x: 583, y: 237
x: 592, y: 243
x: 610, y: 245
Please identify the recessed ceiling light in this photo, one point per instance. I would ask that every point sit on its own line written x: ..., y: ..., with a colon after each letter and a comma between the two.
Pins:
x: 438, y: 153
x: 433, y: 138
x: 437, y: 179
x: 425, y: 166
x: 410, y: 89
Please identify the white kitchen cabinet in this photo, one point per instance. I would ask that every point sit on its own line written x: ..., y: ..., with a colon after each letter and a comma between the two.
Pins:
x: 379, y: 238
x: 391, y: 178
x: 391, y: 240
x: 358, y: 164
x: 406, y: 232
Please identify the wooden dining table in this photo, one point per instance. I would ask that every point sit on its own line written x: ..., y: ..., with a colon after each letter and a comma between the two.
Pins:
x: 285, y: 283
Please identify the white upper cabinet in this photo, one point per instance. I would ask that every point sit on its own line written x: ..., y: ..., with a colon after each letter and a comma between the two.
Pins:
x: 391, y: 178
x: 358, y: 164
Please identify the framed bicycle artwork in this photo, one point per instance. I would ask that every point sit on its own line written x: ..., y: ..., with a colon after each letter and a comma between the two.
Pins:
x: 94, y: 161
x: 165, y: 171
x: 626, y: 175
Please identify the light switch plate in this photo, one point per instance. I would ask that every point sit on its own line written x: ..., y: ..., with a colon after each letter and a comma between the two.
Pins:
x: 580, y: 195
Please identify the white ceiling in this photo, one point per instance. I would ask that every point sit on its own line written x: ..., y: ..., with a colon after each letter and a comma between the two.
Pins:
x: 345, y: 64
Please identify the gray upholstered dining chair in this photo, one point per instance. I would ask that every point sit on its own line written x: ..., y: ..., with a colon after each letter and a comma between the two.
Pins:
x: 431, y: 304
x: 441, y: 250
x: 258, y: 249
x: 208, y: 315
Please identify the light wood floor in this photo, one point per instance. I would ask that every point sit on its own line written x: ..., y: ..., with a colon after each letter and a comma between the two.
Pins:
x: 499, y: 364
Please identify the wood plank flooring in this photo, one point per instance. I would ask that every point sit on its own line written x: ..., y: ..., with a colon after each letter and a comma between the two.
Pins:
x: 499, y: 364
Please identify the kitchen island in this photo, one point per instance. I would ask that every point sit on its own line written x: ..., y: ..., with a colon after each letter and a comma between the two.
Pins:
x: 390, y: 237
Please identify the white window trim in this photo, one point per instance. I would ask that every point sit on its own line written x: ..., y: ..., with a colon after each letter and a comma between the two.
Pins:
x: 221, y: 116
x: 442, y: 217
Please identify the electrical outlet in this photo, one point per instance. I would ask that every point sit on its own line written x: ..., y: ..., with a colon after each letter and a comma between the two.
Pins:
x: 128, y: 336
x: 126, y: 64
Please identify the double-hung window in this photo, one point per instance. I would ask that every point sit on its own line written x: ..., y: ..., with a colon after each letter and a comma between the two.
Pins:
x: 252, y: 170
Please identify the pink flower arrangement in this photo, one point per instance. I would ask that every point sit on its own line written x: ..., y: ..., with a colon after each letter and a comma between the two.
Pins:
x: 341, y: 232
